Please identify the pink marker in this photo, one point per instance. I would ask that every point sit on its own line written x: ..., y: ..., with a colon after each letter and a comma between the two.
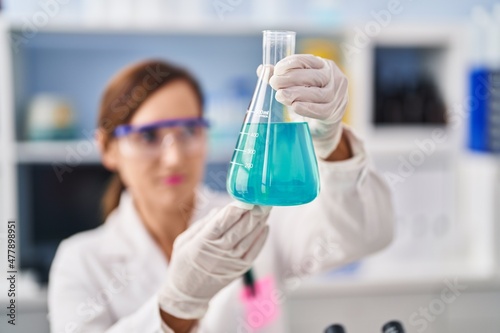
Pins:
x: 261, y: 309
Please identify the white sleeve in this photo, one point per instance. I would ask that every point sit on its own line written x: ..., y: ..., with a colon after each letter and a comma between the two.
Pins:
x: 351, y: 217
x: 72, y: 305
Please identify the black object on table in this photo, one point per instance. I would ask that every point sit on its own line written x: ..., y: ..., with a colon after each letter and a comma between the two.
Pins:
x: 335, y: 329
x: 393, y: 327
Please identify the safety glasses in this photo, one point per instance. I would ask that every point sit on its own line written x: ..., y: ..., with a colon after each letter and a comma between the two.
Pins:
x: 151, y: 140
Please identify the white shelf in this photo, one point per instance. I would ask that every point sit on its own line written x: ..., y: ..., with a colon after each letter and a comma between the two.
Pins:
x: 430, y: 35
x: 207, y: 27
x: 316, y: 287
x: 84, y: 152
x: 405, y: 139
x: 69, y: 152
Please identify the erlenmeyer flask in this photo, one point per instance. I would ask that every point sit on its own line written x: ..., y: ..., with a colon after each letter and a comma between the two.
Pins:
x: 274, y: 161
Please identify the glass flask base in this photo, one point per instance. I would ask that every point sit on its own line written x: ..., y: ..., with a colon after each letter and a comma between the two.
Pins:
x: 274, y: 165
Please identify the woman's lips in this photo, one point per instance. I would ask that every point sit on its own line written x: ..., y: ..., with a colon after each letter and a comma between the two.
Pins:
x: 173, y: 180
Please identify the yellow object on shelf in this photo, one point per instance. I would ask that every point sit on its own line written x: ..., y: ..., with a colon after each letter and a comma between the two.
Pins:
x: 328, y: 49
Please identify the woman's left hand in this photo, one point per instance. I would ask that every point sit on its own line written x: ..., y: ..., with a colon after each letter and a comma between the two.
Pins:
x: 315, y: 88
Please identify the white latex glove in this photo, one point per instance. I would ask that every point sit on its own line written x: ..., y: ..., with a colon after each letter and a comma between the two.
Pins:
x: 211, y: 254
x: 314, y: 88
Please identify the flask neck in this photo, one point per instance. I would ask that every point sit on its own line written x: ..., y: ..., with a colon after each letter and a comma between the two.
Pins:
x: 277, y: 45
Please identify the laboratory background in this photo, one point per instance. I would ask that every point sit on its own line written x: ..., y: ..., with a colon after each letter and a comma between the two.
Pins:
x: 424, y: 95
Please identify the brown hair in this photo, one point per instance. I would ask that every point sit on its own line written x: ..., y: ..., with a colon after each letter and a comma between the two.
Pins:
x: 123, y: 95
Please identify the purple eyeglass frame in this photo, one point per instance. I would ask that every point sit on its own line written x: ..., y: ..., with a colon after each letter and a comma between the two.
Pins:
x: 123, y: 130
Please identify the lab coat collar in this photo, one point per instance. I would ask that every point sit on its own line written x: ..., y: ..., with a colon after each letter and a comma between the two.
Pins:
x: 127, y: 236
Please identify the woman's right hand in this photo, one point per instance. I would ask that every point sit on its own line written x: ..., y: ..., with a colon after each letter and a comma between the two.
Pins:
x: 209, y: 255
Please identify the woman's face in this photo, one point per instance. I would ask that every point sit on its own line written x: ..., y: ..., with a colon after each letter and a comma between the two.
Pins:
x: 167, y: 178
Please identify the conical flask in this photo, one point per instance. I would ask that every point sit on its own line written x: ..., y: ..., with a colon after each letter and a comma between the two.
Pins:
x: 274, y: 163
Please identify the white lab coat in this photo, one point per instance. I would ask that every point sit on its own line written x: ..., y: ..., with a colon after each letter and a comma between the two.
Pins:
x: 107, y: 279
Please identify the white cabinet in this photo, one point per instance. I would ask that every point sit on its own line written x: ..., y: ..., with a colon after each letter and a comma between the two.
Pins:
x: 418, y: 308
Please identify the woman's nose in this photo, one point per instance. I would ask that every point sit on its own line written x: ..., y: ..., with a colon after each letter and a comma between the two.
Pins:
x: 171, y: 152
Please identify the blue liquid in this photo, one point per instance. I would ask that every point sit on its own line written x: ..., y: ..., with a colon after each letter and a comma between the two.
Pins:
x: 281, y: 172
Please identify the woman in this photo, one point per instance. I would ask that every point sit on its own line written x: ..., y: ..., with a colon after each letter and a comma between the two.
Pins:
x: 171, y: 256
